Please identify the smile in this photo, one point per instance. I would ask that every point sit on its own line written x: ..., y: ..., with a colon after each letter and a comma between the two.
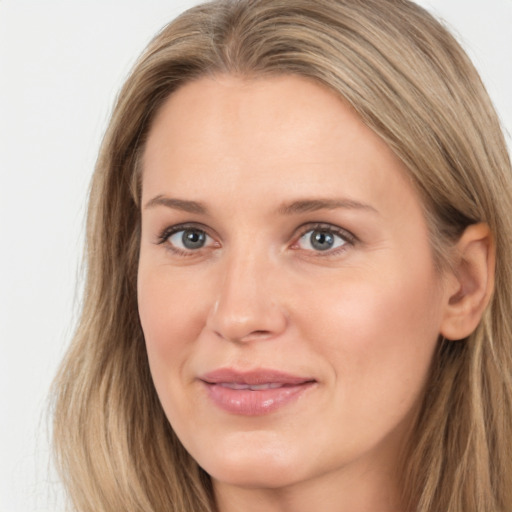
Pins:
x: 253, y: 393
x: 255, y: 387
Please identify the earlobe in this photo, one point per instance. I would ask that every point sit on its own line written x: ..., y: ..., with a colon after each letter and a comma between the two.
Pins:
x: 471, y: 282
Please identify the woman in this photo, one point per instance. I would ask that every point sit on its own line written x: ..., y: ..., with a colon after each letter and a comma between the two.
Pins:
x: 298, y: 284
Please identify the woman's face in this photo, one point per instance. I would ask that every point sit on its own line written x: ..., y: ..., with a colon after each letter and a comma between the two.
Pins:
x: 287, y: 289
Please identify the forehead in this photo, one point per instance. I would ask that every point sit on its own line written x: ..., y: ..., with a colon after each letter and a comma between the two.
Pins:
x: 264, y: 138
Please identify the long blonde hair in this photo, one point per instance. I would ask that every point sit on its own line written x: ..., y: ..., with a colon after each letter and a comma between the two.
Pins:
x: 414, y: 86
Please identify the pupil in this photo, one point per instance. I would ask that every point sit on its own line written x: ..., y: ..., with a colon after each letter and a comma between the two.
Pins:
x: 321, y: 240
x: 193, y: 239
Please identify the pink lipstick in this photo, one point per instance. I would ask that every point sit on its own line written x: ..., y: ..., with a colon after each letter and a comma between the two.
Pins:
x: 253, y: 393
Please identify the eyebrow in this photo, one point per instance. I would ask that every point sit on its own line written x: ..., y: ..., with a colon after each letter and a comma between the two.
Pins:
x: 177, y: 204
x: 313, y: 205
x: 294, y: 207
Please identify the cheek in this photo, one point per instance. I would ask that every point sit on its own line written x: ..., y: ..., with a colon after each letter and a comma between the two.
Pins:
x: 168, y: 310
x: 379, y: 336
x: 169, y: 314
x: 366, y: 309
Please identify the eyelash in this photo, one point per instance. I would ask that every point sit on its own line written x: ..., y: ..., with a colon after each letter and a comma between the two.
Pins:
x: 347, y: 237
x: 172, y: 230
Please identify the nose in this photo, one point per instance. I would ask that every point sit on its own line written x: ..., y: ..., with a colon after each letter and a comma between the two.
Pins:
x: 246, y: 306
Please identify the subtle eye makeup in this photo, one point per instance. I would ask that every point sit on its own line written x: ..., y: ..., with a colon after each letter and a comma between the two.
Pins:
x: 325, y: 239
x: 186, y: 239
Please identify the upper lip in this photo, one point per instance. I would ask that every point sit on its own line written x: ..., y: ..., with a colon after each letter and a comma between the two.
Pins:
x: 253, y: 377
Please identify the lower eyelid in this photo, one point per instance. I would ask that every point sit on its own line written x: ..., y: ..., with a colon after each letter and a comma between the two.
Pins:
x: 345, y: 237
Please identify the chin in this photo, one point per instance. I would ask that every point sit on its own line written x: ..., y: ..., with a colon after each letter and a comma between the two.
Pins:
x: 260, y: 476
x: 255, y: 464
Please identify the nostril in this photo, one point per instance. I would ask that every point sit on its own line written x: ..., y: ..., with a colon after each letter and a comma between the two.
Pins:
x: 259, y: 333
x: 252, y: 336
x: 255, y: 335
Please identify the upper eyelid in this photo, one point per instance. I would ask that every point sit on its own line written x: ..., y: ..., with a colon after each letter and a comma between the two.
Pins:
x: 176, y: 228
x: 297, y: 233
x: 163, y: 239
x: 325, y: 226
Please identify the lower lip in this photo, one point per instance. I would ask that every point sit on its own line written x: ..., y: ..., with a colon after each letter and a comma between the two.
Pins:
x: 246, y: 402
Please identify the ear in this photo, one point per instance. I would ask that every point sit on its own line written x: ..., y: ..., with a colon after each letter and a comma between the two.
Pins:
x: 470, y: 282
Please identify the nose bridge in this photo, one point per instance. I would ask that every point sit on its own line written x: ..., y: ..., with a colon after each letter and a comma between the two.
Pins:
x: 246, y: 306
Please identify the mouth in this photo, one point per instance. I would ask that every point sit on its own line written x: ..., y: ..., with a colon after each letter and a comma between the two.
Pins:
x: 254, y: 387
x: 254, y: 393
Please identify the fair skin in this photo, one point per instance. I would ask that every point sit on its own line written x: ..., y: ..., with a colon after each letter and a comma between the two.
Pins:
x: 280, y: 234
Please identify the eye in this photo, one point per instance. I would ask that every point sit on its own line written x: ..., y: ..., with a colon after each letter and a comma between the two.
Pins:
x: 323, y: 239
x: 188, y: 239
x: 185, y: 239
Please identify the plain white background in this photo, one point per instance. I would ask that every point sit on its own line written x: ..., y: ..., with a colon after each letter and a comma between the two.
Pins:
x: 61, y: 65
